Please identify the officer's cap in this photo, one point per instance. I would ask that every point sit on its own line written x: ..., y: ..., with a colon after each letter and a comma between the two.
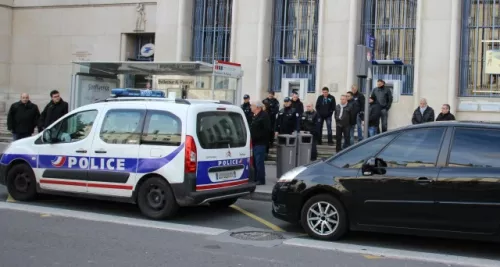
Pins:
x: 287, y: 99
x: 246, y: 97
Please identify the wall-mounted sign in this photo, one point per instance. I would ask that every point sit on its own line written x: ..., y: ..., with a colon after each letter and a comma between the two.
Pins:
x: 148, y: 50
x: 175, y: 82
x: 227, y: 69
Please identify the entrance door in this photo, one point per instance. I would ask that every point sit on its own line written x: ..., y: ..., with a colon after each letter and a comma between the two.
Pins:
x: 289, y: 85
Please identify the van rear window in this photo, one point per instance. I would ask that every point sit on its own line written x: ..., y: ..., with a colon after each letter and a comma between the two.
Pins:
x: 221, y: 130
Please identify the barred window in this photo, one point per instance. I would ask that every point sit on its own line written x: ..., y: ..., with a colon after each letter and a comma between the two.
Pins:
x: 295, y: 37
x: 393, y: 24
x: 480, y: 25
x: 212, y: 30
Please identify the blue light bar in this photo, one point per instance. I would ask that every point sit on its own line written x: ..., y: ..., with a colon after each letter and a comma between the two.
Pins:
x: 126, y: 92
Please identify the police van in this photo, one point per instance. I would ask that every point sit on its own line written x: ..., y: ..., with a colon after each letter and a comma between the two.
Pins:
x: 140, y: 147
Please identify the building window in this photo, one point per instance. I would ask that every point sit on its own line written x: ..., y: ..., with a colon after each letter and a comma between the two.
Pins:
x: 480, y: 22
x: 212, y: 30
x: 392, y: 23
x: 295, y: 39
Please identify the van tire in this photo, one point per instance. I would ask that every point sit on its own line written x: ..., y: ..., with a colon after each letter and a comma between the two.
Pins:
x: 224, y: 203
x: 21, y: 182
x: 156, y: 199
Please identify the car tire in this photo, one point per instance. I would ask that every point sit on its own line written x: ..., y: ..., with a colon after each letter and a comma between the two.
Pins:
x: 222, y: 204
x: 156, y: 199
x: 21, y: 182
x: 323, y: 217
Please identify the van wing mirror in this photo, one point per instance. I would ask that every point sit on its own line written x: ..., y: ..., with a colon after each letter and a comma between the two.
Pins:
x: 47, y: 136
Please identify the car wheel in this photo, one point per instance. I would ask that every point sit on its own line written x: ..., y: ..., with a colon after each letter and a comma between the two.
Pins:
x: 21, y: 182
x: 323, y: 217
x: 156, y: 199
x: 224, y: 203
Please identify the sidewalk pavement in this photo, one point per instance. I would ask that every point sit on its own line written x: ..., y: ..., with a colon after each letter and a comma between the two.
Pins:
x: 263, y: 192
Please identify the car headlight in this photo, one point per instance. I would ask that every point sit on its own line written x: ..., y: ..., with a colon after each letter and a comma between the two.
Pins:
x: 290, y: 175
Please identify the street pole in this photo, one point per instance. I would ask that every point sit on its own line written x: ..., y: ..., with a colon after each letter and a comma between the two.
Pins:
x: 367, y: 102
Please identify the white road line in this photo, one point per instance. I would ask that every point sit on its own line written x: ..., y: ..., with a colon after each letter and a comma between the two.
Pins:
x: 90, y: 216
x: 392, y: 253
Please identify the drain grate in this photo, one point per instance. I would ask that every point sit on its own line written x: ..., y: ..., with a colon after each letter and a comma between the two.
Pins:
x: 257, y: 236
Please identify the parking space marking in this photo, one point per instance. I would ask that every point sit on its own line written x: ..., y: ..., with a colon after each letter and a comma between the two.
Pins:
x: 10, y: 199
x: 259, y: 219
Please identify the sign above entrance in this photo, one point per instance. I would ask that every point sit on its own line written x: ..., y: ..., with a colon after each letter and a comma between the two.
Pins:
x: 148, y: 50
x: 227, y: 69
x: 175, y: 82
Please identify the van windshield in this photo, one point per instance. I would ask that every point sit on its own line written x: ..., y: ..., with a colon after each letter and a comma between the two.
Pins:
x: 221, y: 130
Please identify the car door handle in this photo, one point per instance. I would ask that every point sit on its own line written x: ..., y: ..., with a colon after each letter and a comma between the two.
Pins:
x: 423, y: 180
x: 100, y: 151
x: 81, y: 151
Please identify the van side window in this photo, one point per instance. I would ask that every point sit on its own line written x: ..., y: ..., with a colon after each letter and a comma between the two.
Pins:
x: 75, y: 127
x: 162, y: 128
x: 122, y: 126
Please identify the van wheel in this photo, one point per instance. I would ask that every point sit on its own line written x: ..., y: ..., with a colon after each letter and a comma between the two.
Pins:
x: 156, y: 199
x: 323, y: 217
x: 21, y: 182
x: 224, y: 203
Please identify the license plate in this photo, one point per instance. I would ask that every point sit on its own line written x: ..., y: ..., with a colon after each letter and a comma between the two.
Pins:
x: 226, y: 175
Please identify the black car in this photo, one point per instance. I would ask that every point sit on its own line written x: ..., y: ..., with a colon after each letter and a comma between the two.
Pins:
x: 438, y: 179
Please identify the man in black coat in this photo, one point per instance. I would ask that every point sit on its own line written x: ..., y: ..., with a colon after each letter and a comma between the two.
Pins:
x: 54, y: 110
x: 296, y: 103
x: 343, y: 120
x: 246, y: 108
x: 22, y: 118
x: 383, y: 96
x: 309, y: 124
x: 259, y: 132
x: 325, y: 106
x: 274, y: 108
x: 287, y: 121
x: 374, y: 117
x: 423, y: 113
x: 359, y: 98
x: 445, y: 114
x: 355, y: 109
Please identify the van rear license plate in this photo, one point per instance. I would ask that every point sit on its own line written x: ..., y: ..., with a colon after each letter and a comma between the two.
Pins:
x: 226, y: 175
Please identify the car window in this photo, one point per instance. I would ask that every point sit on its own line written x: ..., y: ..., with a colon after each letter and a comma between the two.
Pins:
x: 357, y: 156
x: 122, y: 126
x: 475, y: 148
x: 75, y: 127
x: 414, y: 148
x: 162, y: 128
x: 221, y: 130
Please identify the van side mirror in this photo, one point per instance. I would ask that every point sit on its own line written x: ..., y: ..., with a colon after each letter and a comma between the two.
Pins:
x: 47, y: 136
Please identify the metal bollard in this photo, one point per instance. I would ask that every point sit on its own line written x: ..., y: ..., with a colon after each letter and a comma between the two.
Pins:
x: 286, y: 153
x: 304, y: 148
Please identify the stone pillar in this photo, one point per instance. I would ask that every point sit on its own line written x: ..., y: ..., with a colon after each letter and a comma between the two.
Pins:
x: 173, y: 30
x: 5, y: 52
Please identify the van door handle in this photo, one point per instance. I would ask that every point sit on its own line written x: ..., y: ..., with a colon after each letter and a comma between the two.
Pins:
x: 81, y: 151
x: 423, y: 180
x: 100, y: 151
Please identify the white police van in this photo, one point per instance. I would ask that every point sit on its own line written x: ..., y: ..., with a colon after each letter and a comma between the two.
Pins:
x: 140, y: 147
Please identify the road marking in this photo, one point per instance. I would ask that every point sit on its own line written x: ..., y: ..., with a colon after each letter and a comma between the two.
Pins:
x: 10, y: 199
x: 259, y: 219
x: 372, y: 257
x: 45, y: 215
x: 392, y: 253
x: 90, y: 216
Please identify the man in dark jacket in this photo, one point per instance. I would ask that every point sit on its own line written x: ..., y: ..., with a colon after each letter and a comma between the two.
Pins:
x: 259, y: 131
x: 22, y: 118
x: 309, y: 123
x: 246, y: 108
x: 423, y: 113
x: 383, y: 96
x: 374, y: 117
x: 325, y: 106
x: 54, y: 110
x: 359, y: 98
x: 343, y: 119
x: 445, y: 114
x: 296, y: 103
x: 274, y: 108
x: 355, y: 109
x: 287, y: 120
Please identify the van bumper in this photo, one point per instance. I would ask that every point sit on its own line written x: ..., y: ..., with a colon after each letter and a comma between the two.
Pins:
x: 186, y: 194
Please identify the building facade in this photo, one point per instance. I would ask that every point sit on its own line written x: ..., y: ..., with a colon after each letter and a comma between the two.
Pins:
x: 438, y: 48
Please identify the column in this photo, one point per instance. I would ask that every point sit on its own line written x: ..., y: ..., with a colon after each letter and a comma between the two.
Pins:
x: 173, y: 30
x: 355, y: 9
x: 5, y: 54
x: 454, y: 64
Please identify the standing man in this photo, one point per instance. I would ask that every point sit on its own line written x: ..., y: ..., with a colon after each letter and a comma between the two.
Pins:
x: 259, y: 131
x: 296, y: 103
x: 445, y: 114
x: 423, y: 113
x: 247, y: 109
x: 383, y: 96
x: 355, y: 109
x: 287, y: 120
x: 374, y: 117
x: 274, y: 108
x: 54, y: 110
x: 359, y: 98
x: 22, y: 118
x: 310, y: 124
x: 343, y: 123
x: 325, y: 106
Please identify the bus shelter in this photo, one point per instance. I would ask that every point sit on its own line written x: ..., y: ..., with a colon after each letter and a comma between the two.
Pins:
x: 93, y: 81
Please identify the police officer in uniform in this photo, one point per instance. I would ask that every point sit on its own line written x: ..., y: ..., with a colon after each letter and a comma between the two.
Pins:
x: 287, y: 120
x: 273, y: 107
x: 247, y: 108
x: 309, y: 123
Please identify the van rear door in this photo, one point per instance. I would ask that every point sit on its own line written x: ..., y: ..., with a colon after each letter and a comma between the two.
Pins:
x: 224, y: 149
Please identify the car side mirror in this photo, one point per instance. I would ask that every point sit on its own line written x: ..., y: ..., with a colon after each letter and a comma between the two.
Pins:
x: 47, y: 136
x: 374, y: 166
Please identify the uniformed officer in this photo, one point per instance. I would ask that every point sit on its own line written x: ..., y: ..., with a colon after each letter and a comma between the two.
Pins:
x: 273, y: 107
x: 247, y: 109
x: 287, y: 121
x: 309, y: 123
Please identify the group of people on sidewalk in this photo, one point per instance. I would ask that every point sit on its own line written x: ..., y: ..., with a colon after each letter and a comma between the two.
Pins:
x: 24, y: 116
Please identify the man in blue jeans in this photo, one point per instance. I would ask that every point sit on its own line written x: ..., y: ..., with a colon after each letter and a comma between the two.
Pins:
x: 325, y: 106
x: 259, y: 132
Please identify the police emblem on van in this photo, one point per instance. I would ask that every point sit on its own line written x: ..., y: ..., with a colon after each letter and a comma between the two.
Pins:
x: 58, y: 161
x: 228, y: 154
